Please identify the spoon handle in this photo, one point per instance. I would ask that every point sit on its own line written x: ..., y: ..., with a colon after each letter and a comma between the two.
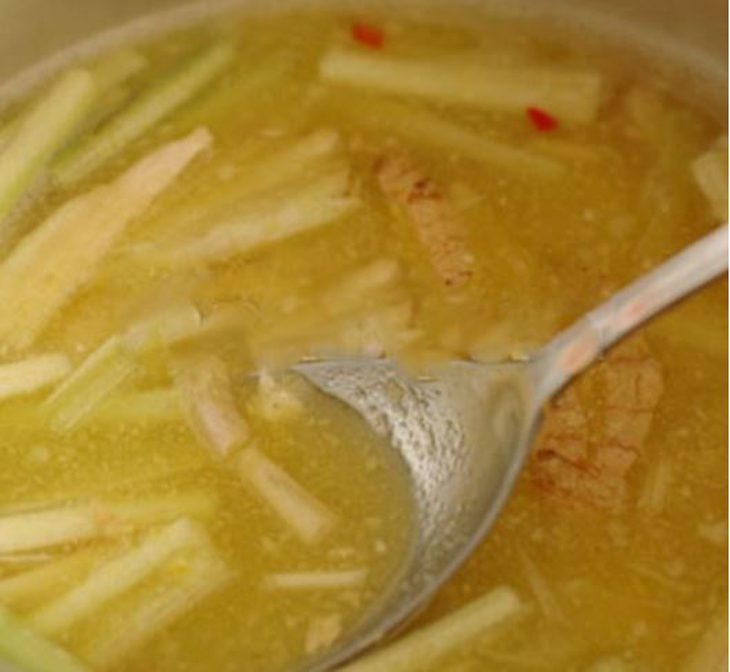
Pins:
x: 579, y: 345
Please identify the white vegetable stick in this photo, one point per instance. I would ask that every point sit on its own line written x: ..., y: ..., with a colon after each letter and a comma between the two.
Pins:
x: 569, y: 94
x: 32, y: 374
x: 103, y: 371
x: 60, y: 256
x: 165, y: 328
x: 45, y: 528
x: 305, y: 515
x: 426, y: 645
x: 711, y: 174
x: 41, y: 133
x: 137, y: 625
x: 34, y: 584
x: 116, y: 577
x: 322, y: 580
x: 206, y: 396
x: 310, y: 207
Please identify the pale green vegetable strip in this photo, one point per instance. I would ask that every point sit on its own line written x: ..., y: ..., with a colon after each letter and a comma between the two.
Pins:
x: 60, y: 256
x: 41, y: 133
x: 113, y: 363
x: 54, y: 575
x: 102, y: 372
x: 429, y: 129
x: 148, y: 406
x: 170, y: 325
x: 422, y: 648
x: 23, y: 647
x: 305, y: 515
x: 711, y: 174
x: 568, y: 94
x: 32, y: 374
x: 153, y: 105
x: 36, y: 529
x: 117, y: 68
x: 207, y: 398
x: 322, y: 580
x: 117, y: 576
x: 307, y: 208
x: 134, y: 626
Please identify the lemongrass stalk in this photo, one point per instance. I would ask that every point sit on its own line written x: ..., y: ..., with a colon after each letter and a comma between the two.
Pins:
x: 20, y: 645
x: 711, y: 176
x: 423, y: 647
x: 117, y: 68
x: 157, y: 405
x: 310, y: 207
x: 322, y: 580
x: 116, y: 577
x: 431, y: 130
x: 153, y: 105
x: 41, y: 132
x: 46, y: 528
x: 102, y: 372
x: 303, y: 513
x: 135, y: 625
x: 206, y: 395
x: 59, y: 257
x: 569, y: 94
x: 22, y: 589
x: 32, y: 374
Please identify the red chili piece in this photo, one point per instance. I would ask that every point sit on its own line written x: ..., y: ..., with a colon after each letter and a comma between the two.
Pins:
x: 368, y: 35
x: 541, y: 120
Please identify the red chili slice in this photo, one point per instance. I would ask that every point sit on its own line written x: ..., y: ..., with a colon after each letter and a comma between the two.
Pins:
x: 367, y: 35
x: 541, y: 120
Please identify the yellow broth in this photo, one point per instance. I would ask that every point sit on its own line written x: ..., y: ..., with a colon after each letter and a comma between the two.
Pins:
x: 639, y: 574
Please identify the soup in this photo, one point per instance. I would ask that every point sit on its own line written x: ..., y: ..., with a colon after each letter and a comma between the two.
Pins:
x: 181, y: 219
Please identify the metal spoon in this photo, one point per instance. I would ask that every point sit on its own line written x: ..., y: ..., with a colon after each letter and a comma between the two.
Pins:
x: 464, y: 435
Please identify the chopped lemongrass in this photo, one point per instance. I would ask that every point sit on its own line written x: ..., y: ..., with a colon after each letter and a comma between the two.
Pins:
x: 362, y: 282
x: 310, y: 207
x: 32, y: 374
x: 710, y: 173
x: 657, y: 487
x: 153, y: 105
x: 21, y: 646
x: 569, y: 94
x: 206, y: 396
x: 432, y: 130
x: 117, y: 68
x: 710, y: 653
x: 324, y: 580
x: 117, y: 576
x: 322, y: 632
x: 305, y: 515
x: 274, y: 400
x: 540, y: 586
x: 40, y: 133
x: 165, y: 328
x: 448, y: 634
x: 24, y: 588
x: 147, y: 406
x: 45, y: 528
x: 137, y: 624
x: 102, y: 372
x: 59, y: 257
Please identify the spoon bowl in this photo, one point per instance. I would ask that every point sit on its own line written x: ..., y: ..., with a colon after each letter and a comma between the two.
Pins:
x: 465, y: 431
